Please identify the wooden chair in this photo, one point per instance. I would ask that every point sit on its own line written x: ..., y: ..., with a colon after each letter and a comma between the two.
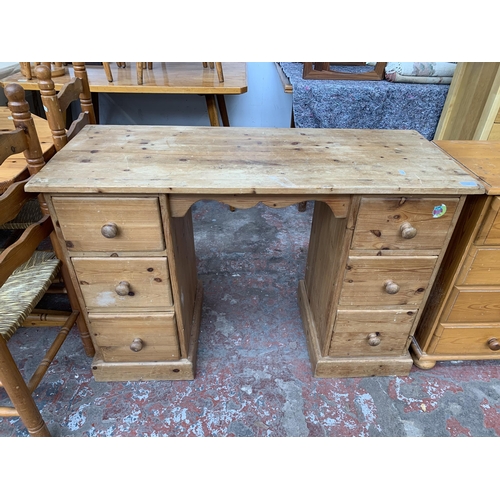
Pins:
x: 56, y: 103
x: 218, y: 67
x: 25, y: 276
x: 140, y: 67
x: 57, y: 68
x: 35, y: 208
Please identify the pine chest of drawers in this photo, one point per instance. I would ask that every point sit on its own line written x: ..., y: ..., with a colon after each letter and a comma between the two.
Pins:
x: 386, y: 204
x: 462, y: 317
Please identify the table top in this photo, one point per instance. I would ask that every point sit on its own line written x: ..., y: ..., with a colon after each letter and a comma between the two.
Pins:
x: 13, y: 166
x: 481, y: 158
x: 239, y: 160
x: 164, y: 78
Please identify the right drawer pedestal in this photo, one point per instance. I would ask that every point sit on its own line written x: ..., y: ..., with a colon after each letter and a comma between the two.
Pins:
x: 361, y: 300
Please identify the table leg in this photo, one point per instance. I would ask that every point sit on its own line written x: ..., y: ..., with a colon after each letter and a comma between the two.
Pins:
x: 223, y: 110
x: 95, y: 103
x: 213, y: 113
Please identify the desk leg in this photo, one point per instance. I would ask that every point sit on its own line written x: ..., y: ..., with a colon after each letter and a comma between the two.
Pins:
x: 213, y: 113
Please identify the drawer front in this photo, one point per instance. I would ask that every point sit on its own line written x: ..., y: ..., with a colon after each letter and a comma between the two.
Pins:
x: 390, y: 280
x: 136, y: 337
x: 121, y: 283
x: 475, y: 306
x: 130, y: 224
x: 371, y: 333
x: 493, y: 236
x: 402, y: 223
x: 484, y: 269
x: 473, y: 340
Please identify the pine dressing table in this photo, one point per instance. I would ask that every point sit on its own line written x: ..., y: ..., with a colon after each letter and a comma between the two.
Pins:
x: 386, y: 204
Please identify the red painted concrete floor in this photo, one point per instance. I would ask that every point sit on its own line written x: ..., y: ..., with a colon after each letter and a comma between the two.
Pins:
x: 254, y: 376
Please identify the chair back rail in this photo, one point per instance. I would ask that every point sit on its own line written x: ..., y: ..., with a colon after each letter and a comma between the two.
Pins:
x: 20, y: 251
x: 13, y: 200
x: 12, y: 142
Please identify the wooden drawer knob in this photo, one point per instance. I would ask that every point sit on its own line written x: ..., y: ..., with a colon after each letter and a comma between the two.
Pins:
x: 373, y: 339
x: 109, y: 230
x: 136, y: 345
x: 391, y: 287
x: 493, y: 344
x: 408, y: 231
x: 123, y: 288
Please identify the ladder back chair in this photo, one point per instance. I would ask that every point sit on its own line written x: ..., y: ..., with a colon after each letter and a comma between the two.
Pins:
x: 35, y: 208
x: 56, y: 103
x: 25, y: 275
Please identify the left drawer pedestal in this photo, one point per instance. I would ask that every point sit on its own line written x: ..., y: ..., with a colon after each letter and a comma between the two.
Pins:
x: 119, y: 252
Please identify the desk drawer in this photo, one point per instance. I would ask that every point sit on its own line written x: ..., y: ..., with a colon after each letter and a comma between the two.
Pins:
x: 389, y: 280
x: 402, y: 223
x: 475, y: 340
x: 110, y: 224
x: 124, y: 283
x: 369, y: 333
x: 128, y: 337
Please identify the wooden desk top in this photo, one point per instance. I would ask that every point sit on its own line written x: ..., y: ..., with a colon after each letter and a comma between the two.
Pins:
x: 11, y: 168
x: 211, y: 160
x: 164, y: 78
x: 481, y: 158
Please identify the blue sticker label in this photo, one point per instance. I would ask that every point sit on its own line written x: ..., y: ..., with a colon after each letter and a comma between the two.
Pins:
x: 468, y: 183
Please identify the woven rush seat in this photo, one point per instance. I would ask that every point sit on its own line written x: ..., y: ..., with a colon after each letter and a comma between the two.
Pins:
x: 23, y: 290
x: 29, y: 213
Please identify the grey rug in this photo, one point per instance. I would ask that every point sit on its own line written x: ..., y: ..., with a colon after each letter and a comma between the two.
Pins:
x: 365, y: 104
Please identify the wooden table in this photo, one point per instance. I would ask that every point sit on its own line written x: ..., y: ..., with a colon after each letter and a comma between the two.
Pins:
x: 15, y: 166
x: 164, y: 78
x: 386, y: 206
x: 462, y: 321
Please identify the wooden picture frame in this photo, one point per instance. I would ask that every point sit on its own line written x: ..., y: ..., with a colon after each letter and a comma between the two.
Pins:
x: 322, y: 71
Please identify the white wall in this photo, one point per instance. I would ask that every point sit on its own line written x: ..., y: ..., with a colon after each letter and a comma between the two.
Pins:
x: 265, y: 104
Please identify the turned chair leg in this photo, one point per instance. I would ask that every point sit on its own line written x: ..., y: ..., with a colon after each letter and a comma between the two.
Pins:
x: 20, y: 395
